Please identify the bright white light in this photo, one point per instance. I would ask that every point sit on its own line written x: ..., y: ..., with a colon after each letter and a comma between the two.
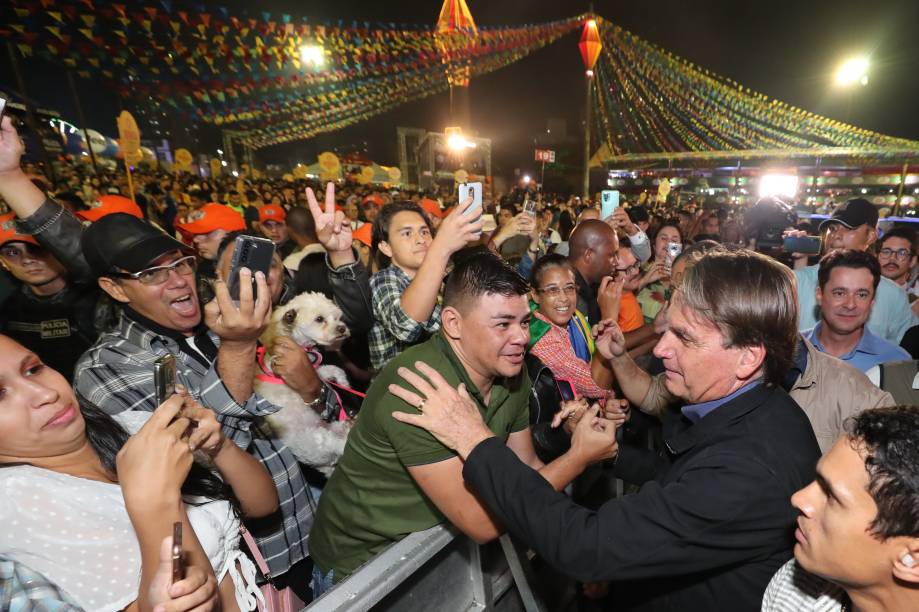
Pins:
x: 864, y: 191
x: 219, y: 151
x: 235, y: 173
x: 456, y: 142
x: 312, y: 55
x: 853, y: 71
x: 590, y: 74
x: 224, y: 163
x: 526, y: 179
x: 778, y: 185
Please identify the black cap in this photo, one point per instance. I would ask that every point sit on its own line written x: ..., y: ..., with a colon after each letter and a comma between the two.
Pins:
x: 126, y: 242
x: 853, y: 213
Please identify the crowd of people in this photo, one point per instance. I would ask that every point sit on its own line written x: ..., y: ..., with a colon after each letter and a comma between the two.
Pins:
x: 488, y: 358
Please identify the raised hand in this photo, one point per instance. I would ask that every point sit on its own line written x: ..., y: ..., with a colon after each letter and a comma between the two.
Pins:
x: 609, y: 339
x: 332, y: 227
x: 594, y: 439
x: 449, y: 414
x: 458, y: 229
x: 11, y: 147
x: 154, y: 462
x: 609, y: 296
x: 243, y: 323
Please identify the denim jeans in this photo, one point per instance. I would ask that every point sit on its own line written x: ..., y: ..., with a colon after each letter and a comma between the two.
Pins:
x: 320, y: 583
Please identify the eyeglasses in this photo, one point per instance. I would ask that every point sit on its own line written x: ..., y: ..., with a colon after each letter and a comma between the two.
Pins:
x: 157, y: 275
x: 554, y: 291
x: 16, y: 253
x: 898, y: 253
x: 629, y: 269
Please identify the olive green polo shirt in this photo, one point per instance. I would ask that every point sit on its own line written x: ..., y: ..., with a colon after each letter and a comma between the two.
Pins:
x: 371, y: 500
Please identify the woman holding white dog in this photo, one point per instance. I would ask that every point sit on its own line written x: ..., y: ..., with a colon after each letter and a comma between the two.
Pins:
x: 88, y: 506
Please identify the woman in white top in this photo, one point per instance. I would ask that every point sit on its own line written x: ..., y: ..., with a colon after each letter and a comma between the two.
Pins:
x: 89, y: 507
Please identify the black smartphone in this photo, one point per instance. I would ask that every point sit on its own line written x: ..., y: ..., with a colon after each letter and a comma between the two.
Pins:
x: 164, y: 377
x: 808, y: 245
x: 253, y: 253
x: 178, y: 560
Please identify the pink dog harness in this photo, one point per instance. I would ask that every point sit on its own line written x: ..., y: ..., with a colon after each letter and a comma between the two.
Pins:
x: 269, y: 377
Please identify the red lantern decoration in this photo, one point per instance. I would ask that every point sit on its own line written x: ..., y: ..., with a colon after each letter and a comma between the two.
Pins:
x: 590, y: 44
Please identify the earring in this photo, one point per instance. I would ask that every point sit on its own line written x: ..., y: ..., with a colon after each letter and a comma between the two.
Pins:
x: 908, y: 560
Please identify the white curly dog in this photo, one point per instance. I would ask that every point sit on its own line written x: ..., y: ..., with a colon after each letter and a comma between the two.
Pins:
x: 311, y: 320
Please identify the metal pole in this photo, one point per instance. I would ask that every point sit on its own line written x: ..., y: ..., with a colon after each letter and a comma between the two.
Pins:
x: 587, y: 119
x: 896, y: 207
x: 82, y: 119
x: 31, y: 119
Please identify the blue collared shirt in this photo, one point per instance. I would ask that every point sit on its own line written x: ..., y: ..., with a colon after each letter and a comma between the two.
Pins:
x: 869, y: 352
x: 695, y: 412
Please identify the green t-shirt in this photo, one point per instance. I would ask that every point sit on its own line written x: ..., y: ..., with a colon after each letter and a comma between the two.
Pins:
x: 371, y: 500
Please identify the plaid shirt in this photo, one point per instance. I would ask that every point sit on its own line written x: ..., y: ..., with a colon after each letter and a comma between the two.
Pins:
x: 116, y: 374
x: 393, y: 330
x: 22, y: 590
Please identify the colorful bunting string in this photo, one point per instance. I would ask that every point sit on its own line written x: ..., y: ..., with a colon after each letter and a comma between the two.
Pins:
x: 651, y: 101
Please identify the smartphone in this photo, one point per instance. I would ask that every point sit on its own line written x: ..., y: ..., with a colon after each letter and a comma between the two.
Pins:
x: 609, y: 202
x: 808, y: 245
x: 164, y: 377
x: 471, y: 189
x: 2, y: 108
x: 178, y: 561
x: 253, y: 253
x: 529, y: 207
x: 566, y: 389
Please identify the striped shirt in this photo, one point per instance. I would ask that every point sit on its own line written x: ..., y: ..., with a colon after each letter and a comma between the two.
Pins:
x: 116, y: 374
x: 793, y: 589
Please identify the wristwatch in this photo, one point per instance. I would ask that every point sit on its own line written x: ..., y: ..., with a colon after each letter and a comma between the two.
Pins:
x: 319, y: 401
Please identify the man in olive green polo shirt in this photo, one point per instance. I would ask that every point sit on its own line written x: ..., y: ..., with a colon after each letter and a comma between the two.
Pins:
x: 394, y: 479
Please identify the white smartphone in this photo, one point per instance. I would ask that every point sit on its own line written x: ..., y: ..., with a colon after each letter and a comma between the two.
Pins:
x: 609, y: 202
x: 471, y: 189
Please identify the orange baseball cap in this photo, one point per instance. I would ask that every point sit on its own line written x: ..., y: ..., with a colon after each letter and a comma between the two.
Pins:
x: 378, y: 200
x: 364, y: 234
x: 212, y: 217
x: 431, y: 207
x: 107, y: 205
x: 8, y: 231
x: 271, y: 212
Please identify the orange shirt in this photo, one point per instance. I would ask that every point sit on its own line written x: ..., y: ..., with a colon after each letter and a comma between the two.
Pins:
x: 630, y: 317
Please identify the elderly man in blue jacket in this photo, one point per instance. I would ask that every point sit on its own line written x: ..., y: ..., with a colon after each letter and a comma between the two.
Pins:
x: 712, y: 523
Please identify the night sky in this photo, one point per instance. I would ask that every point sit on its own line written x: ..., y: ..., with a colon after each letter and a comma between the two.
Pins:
x: 785, y: 49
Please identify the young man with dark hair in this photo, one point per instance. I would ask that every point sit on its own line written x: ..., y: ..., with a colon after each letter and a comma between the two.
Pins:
x: 858, y: 532
x: 847, y: 281
x: 897, y: 256
x: 405, y: 292
x: 394, y: 479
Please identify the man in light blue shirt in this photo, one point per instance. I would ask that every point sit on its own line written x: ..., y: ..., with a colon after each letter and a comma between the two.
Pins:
x: 853, y: 226
x: 847, y: 281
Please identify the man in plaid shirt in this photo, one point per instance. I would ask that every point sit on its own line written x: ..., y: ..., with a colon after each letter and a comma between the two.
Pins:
x: 405, y: 294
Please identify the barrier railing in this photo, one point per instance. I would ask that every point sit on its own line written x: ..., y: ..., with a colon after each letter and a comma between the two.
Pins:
x: 448, y: 571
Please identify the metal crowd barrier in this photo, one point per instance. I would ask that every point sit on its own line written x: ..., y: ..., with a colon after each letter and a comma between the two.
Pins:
x: 437, y: 569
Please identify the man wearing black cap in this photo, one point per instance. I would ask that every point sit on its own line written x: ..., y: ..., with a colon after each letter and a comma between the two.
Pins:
x: 153, y: 277
x: 854, y: 226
